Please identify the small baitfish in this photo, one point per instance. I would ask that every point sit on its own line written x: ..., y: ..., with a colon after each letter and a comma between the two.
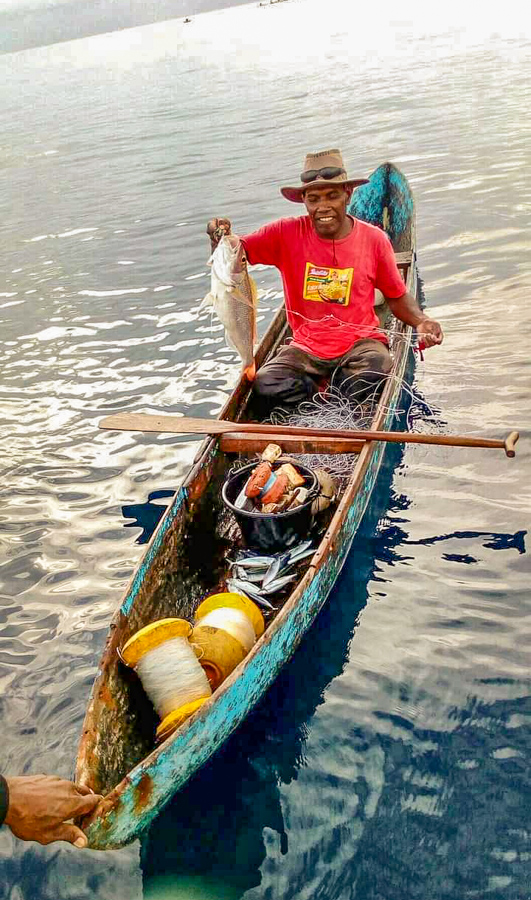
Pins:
x: 245, y: 587
x: 255, y: 576
x: 281, y: 563
x: 278, y: 584
x: 233, y: 297
x: 246, y: 561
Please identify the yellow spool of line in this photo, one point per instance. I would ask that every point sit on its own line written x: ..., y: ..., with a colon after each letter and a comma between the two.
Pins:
x: 148, y: 638
x: 177, y: 717
x: 152, y: 636
x: 234, y: 601
x: 221, y: 651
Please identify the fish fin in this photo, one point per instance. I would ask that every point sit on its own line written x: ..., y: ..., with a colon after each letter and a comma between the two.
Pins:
x: 254, y: 295
x: 207, y: 300
x: 250, y: 371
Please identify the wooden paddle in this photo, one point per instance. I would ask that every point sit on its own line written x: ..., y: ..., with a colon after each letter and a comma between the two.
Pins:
x: 183, y: 425
x: 235, y: 442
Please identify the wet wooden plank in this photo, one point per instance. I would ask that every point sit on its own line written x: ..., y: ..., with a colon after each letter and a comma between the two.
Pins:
x: 404, y: 259
x: 239, y: 442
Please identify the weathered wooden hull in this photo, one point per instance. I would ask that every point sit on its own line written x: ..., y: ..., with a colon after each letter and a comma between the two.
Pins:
x: 115, y: 745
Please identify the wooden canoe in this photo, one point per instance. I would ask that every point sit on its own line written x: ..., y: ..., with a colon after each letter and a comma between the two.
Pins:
x: 186, y: 561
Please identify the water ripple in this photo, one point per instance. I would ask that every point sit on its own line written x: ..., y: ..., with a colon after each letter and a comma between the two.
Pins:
x: 391, y: 758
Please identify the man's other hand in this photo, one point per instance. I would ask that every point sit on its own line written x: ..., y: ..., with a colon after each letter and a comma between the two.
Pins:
x: 429, y: 332
x: 41, y: 805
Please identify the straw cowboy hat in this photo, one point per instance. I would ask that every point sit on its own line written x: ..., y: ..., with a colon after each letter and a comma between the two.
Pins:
x: 321, y: 168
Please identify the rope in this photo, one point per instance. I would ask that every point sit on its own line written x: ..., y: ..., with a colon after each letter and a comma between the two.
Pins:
x: 172, y: 676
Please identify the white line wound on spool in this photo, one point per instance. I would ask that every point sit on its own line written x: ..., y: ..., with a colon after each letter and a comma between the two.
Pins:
x: 234, y: 622
x: 172, y: 676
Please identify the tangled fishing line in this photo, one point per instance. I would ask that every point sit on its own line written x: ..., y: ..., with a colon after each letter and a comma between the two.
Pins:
x: 333, y: 409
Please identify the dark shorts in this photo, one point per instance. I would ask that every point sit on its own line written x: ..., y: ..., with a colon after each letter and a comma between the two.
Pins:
x: 293, y: 376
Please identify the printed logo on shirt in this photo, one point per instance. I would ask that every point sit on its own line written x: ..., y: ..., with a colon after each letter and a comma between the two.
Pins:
x: 326, y: 285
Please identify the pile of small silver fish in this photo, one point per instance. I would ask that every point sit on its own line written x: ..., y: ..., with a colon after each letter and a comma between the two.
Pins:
x: 258, y: 577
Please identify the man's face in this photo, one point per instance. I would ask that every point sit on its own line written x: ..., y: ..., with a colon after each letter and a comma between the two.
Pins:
x: 327, y: 208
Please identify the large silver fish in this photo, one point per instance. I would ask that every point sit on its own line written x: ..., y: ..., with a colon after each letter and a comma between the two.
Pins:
x: 233, y: 297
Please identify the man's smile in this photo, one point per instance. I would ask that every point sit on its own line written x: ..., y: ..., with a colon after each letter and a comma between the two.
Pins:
x: 327, y: 207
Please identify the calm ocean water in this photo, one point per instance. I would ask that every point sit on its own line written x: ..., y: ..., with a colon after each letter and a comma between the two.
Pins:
x: 391, y: 759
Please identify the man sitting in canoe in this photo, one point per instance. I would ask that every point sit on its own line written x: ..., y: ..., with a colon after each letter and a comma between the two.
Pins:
x: 330, y: 264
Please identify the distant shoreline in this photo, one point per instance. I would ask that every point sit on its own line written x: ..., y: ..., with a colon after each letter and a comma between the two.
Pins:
x: 29, y: 27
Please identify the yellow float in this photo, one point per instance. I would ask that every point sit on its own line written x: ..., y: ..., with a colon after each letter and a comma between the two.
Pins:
x: 226, y: 628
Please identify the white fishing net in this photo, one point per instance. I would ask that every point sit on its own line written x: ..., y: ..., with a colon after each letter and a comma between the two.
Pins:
x: 332, y: 409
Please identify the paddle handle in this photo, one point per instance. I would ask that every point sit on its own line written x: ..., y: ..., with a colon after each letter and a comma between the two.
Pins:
x: 509, y: 443
x: 392, y: 437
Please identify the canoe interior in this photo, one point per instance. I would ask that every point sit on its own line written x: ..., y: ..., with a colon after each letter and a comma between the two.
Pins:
x: 186, y: 558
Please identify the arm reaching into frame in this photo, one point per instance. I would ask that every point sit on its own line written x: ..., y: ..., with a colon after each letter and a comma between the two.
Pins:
x: 40, y: 807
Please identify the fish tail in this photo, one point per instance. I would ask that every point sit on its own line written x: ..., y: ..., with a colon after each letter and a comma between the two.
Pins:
x: 250, y: 371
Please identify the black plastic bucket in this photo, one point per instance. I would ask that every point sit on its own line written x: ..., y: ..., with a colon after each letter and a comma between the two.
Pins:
x: 271, y: 532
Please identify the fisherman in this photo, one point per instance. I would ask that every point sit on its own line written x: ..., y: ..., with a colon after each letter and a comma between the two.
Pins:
x: 330, y: 264
x: 39, y: 807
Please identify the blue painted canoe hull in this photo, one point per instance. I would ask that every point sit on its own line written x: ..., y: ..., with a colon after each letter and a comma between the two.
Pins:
x: 110, y: 746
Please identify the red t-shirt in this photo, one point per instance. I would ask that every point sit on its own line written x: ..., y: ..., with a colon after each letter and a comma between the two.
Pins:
x: 328, y: 285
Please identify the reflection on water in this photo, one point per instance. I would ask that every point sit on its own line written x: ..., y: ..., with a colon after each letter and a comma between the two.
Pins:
x: 495, y: 541
x: 146, y: 515
x: 394, y: 765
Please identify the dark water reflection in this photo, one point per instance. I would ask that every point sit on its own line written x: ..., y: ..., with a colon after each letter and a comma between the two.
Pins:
x: 147, y: 515
x: 395, y: 763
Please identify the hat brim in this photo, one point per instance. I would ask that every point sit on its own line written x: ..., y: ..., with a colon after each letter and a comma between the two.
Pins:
x: 295, y: 194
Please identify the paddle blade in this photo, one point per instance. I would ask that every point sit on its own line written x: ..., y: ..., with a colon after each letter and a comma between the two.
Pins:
x: 164, y: 424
